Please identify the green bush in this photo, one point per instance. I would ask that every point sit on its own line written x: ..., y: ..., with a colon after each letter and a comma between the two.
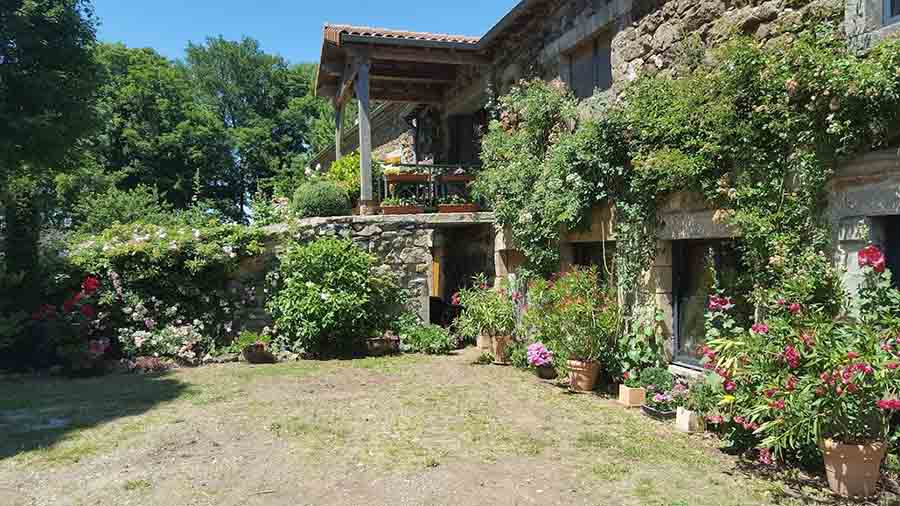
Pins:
x: 345, y: 173
x: 430, y: 339
x: 657, y: 379
x: 97, y: 212
x: 319, y: 199
x: 330, y: 296
x: 247, y: 338
x: 517, y: 353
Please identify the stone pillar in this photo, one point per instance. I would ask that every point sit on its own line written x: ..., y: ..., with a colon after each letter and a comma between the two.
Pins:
x: 658, y: 283
x: 507, y: 259
x: 854, y: 234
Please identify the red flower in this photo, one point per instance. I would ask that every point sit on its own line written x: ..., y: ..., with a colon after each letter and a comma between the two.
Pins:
x: 68, y: 305
x: 771, y: 392
x: 715, y: 419
x: 791, y: 356
x: 90, y: 284
x: 851, y: 388
x: 88, y: 311
x: 456, y: 299
x: 779, y: 404
x: 795, y: 309
x: 871, y: 256
x: 739, y: 420
x: 717, y: 303
x: 791, y: 383
x: 760, y: 328
x: 888, y: 404
x: 626, y: 375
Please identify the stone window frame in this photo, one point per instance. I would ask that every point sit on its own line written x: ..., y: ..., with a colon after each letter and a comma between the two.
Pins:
x: 868, y: 21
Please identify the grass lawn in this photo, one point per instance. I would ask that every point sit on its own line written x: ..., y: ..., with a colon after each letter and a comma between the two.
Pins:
x: 396, y: 430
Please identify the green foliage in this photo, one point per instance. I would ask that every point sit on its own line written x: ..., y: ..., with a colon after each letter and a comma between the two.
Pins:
x: 97, y: 212
x: 330, y: 295
x: 319, y: 199
x: 657, y: 379
x: 517, y: 354
x: 704, y: 395
x: 345, y: 173
x: 574, y: 316
x: 756, y: 131
x: 11, y: 318
x: 486, y: 310
x: 430, y: 339
x: 248, y: 338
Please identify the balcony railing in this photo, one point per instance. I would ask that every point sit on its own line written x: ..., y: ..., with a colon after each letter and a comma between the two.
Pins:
x: 414, y: 189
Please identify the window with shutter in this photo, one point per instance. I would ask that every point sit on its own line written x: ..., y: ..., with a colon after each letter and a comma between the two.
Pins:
x: 891, y: 11
x: 590, y: 68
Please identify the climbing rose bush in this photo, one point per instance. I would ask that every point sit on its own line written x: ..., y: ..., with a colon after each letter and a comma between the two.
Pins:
x: 803, y: 376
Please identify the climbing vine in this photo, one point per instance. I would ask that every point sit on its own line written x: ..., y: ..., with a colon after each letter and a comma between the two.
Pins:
x: 756, y: 132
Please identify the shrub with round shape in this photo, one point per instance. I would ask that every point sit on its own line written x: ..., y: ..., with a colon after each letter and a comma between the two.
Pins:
x: 331, y: 296
x: 319, y: 199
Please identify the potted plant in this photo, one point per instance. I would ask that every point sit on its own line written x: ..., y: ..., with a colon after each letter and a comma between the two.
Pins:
x: 701, y: 399
x: 658, y: 384
x: 456, y: 204
x: 663, y: 405
x: 489, y: 315
x: 398, y: 205
x: 541, y: 359
x: 808, y: 377
x: 394, y: 174
x: 631, y: 392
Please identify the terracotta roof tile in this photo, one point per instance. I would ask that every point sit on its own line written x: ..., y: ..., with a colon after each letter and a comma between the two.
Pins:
x: 333, y: 34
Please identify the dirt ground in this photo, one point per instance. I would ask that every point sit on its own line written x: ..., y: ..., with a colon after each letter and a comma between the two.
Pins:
x: 403, y: 430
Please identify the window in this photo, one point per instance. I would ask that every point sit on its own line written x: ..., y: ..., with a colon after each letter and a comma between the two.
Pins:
x: 590, y: 68
x: 700, y: 269
x: 602, y: 255
x: 892, y: 247
x: 891, y: 11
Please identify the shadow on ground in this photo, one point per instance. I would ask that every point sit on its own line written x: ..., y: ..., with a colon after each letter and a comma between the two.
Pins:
x: 39, y: 413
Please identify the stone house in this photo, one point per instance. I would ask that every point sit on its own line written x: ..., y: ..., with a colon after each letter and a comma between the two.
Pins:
x: 436, y: 86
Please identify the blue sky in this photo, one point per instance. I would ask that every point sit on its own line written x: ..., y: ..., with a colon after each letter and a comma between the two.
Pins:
x: 291, y: 28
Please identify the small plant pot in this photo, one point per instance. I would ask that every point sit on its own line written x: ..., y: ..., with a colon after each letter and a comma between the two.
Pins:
x: 583, y: 375
x: 657, y: 414
x: 853, y: 470
x: 457, y: 208
x: 256, y: 354
x: 547, y: 372
x: 689, y: 421
x: 407, y: 178
x: 381, y: 346
x: 632, y: 397
x: 397, y: 210
x: 500, y: 348
x: 485, y: 343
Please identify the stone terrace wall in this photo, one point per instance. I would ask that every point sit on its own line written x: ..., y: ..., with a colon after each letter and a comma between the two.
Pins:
x: 403, y: 243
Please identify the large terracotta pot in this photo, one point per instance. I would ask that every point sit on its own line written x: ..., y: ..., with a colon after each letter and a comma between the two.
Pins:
x: 583, y: 375
x: 632, y: 397
x: 853, y: 470
x: 500, y: 348
x: 689, y: 421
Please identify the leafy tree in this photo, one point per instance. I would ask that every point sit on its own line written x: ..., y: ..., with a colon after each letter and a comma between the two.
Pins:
x: 48, y: 76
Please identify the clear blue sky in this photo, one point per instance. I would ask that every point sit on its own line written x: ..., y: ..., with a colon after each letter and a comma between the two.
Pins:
x: 291, y: 28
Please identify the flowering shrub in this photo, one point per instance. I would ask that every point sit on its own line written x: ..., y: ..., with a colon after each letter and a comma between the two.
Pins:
x: 430, y: 339
x: 166, y: 288
x: 802, y: 375
x: 486, y: 310
x: 330, y: 295
x: 539, y: 355
x: 667, y: 400
x: 575, y: 316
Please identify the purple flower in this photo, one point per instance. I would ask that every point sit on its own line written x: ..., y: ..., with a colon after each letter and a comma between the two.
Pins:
x: 539, y: 355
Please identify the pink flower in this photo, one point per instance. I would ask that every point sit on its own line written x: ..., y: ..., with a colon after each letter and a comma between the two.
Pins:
x: 852, y: 355
x: 791, y: 356
x: 771, y: 392
x: 455, y: 300
x: 765, y: 457
x: 539, y: 356
x: 718, y: 303
x: 871, y: 256
x: 715, y: 419
x: 820, y: 391
x: 777, y: 405
x: 760, y: 328
x: 795, y: 309
x: 98, y: 347
x: 626, y: 375
x: 888, y: 404
x: 891, y: 366
x: 791, y: 383
x: 730, y: 386
x: 739, y: 420
x: 807, y: 340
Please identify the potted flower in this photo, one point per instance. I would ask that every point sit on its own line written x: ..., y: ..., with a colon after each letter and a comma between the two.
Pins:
x: 541, y: 359
x: 490, y: 315
x: 456, y: 204
x: 394, y: 174
x: 809, y: 378
x: 398, y: 205
x: 664, y: 405
x: 659, y: 402
x: 631, y: 392
x: 702, y: 398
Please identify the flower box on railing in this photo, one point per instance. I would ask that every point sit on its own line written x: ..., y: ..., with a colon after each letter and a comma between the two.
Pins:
x: 397, y: 210
x: 407, y: 178
x: 458, y: 208
x: 458, y: 178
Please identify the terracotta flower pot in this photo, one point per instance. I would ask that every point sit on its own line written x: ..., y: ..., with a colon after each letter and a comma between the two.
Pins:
x: 583, y: 375
x: 547, y: 372
x: 395, y: 210
x: 407, y: 178
x: 457, y: 208
x: 632, y: 397
x: 500, y: 348
x: 853, y: 470
x: 689, y: 421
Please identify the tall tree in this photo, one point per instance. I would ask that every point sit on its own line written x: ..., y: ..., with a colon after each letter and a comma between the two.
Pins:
x: 48, y: 75
x: 266, y: 105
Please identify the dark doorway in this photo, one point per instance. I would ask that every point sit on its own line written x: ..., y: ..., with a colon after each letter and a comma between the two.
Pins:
x: 892, y: 247
x: 700, y: 269
x: 599, y: 254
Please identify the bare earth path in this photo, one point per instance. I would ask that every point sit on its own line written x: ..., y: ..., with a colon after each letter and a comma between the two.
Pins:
x: 387, y: 431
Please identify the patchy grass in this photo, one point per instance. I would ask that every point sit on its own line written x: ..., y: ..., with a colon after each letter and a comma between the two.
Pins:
x: 266, y: 432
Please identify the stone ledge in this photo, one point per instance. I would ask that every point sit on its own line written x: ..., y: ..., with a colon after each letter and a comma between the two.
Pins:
x: 435, y: 220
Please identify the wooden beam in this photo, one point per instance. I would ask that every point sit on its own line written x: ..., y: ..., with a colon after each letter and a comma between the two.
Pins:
x: 413, y: 79
x: 350, y: 72
x: 412, y: 54
x: 338, y: 128
x: 365, y: 132
x: 407, y: 96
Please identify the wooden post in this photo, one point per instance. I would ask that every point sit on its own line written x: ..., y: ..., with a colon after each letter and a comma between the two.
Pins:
x: 365, y: 135
x: 338, y: 128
